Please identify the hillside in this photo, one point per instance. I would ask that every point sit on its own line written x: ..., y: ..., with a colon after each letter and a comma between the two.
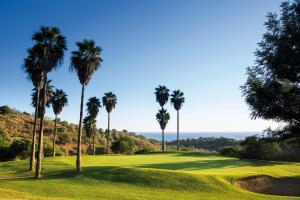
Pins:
x: 155, y: 176
x: 17, y: 124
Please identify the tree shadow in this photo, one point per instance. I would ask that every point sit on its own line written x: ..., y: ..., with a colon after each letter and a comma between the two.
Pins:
x: 209, y: 164
x: 134, y: 176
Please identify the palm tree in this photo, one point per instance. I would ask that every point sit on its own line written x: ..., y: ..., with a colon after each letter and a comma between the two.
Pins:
x: 89, y: 126
x: 85, y: 61
x: 162, y: 95
x: 59, y: 100
x: 38, y: 101
x: 35, y: 74
x: 93, y: 106
x: 109, y: 100
x: 163, y: 117
x: 177, y: 100
x: 50, y: 46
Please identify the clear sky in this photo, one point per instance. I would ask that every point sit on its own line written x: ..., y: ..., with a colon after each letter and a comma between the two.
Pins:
x: 201, y: 47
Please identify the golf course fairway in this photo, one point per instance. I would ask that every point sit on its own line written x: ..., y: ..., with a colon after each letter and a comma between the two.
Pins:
x: 153, y: 176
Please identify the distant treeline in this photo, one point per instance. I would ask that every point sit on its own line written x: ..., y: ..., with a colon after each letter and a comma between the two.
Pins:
x: 208, y: 143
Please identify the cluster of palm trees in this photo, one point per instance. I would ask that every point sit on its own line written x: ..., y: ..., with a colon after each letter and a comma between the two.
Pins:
x: 177, y: 99
x: 109, y: 101
x: 44, y: 56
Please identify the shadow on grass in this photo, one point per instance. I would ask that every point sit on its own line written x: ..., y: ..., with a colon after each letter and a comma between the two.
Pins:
x: 133, y: 176
x: 209, y: 164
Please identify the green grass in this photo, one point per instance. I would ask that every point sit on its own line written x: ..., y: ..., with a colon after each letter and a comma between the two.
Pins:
x: 153, y: 176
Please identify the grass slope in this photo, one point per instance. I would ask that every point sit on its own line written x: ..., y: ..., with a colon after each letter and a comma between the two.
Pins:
x: 153, y: 176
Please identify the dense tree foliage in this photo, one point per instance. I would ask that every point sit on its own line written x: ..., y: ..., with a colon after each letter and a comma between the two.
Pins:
x: 208, y: 143
x: 272, y: 89
x: 124, y: 145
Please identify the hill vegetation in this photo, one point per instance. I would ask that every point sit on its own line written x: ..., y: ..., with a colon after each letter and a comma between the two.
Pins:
x: 207, y: 143
x: 17, y: 125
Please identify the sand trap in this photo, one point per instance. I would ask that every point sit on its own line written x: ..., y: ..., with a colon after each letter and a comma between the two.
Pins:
x: 269, y: 185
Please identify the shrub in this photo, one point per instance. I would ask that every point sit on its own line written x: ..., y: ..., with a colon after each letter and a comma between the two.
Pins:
x: 4, y: 137
x: 124, y: 146
x: 20, y: 148
x: 63, y: 138
x: 100, y: 150
x: 145, y: 149
x: 5, y: 154
x: 187, y: 149
x: 5, y: 110
x: 48, y: 148
x: 26, y: 113
x: 231, y: 151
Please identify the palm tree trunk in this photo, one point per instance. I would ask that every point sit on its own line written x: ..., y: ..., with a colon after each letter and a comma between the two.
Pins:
x: 32, y: 156
x: 94, y: 147
x: 163, y: 139
x: 177, y: 130
x: 54, y: 136
x: 78, y: 160
x: 108, y: 134
x: 38, y: 170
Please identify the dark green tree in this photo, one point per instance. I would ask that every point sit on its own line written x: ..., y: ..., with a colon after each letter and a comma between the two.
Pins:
x: 49, y: 47
x: 109, y: 101
x: 272, y: 89
x: 58, y: 100
x: 84, y: 61
x: 35, y: 74
x: 163, y: 117
x: 177, y: 100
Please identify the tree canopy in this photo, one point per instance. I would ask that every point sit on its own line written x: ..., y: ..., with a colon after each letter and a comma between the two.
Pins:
x: 272, y: 89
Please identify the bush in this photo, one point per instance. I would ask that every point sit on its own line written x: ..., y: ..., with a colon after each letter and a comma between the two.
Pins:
x: 100, y: 150
x: 20, y: 148
x: 231, y: 151
x: 5, y: 154
x: 26, y: 113
x: 4, y: 137
x: 48, y: 149
x: 145, y: 149
x: 187, y: 149
x: 63, y: 138
x: 124, y: 146
x: 5, y: 110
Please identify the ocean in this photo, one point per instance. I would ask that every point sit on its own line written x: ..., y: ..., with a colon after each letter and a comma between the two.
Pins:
x: 169, y: 136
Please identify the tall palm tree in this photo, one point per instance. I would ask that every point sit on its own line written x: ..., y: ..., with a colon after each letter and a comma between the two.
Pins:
x: 109, y: 100
x: 59, y: 100
x: 50, y: 45
x: 162, y: 95
x: 85, y: 61
x: 163, y: 117
x: 177, y: 100
x: 35, y: 74
x: 93, y: 106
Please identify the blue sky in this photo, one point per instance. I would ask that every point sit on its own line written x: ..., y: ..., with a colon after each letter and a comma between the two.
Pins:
x: 201, y: 47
